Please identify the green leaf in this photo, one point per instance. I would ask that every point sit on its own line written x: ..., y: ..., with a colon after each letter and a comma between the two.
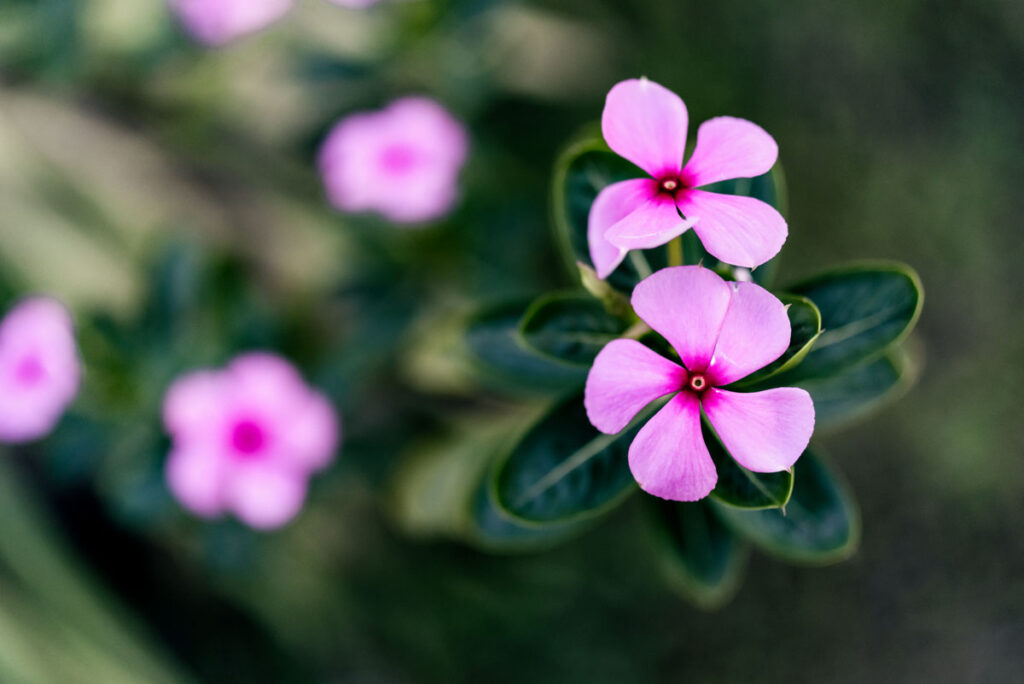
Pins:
x: 569, y: 326
x: 699, y: 556
x: 805, y: 327
x: 860, y: 390
x: 588, y: 166
x: 564, y: 469
x: 819, y: 525
x: 865, y: 310
x: 493, y: 345
x: 742, y: 488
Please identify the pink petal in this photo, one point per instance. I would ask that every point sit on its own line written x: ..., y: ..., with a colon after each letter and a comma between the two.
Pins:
x: 625, y: 377
x: 312, y: 434
x: 686, y: 305
x: 646, y: 123
x: 741, y: 231
x: 669, y: 458
x: 764, y: 431
x: 654, y: 223
x: 194, y: 405
x: 611, y: 205
x: 265, y: 497
x: 195, y: 475
x: 216, y: 22
x: 754, y: 333
x: 730, y: 148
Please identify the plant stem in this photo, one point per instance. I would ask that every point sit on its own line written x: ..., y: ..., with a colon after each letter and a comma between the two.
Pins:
x: 675, y: 252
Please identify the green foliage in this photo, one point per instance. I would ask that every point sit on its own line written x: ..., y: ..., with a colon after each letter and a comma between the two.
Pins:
x: 743, y: 488
x: 569, y: 326
x: 805, y: 328
x: 860, y: 390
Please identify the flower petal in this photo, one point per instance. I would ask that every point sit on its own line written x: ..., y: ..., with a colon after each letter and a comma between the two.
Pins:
x: 764, y: 431
x: 611, y: 205
x: 668, y: 458
x: 730, y: 148
x: 646, y: 123
x: 653, y: 224
x: 741, y: 231
x: 754, y: 333
x: 196, y: 475
x: 194, y: 405
x: 265, y: 497
x: 686, y: 305
x: 312, y: 435
x: 625, y: 377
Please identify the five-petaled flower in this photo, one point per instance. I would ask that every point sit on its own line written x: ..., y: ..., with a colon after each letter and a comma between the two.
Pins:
x: 402, y: 162
x: 216, y: 22
x: 246, y: 439
x: 646, y: 123
x: 39, y: 368
x: 722, y: 332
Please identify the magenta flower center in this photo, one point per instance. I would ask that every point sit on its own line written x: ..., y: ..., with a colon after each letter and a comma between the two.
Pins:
x: 698, y: 382
x: 398, y: 159
x: 248, y: 437
x: 29, y: 371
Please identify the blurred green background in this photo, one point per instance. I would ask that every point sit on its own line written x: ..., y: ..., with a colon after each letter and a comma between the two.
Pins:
x: 168, y: 193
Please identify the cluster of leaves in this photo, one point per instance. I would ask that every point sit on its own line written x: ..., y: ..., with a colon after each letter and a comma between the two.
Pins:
x: 560, y: 474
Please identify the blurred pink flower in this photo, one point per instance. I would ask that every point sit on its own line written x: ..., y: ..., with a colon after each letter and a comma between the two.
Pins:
x: 722, y: 333
x: 246, y: 439
x: 216, y: 22
x: 646, y: 123
x: 39, y: 368
x: 402, y: 161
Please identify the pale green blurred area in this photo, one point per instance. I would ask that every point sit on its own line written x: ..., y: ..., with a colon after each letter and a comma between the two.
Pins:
x: 900, y: 126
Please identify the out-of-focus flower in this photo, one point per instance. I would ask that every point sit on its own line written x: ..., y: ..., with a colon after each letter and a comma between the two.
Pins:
x: 216, y: 22
x: 39, y: 368
x: 646, y: 123
x: 246, y: 439
x: 402, y: 161
x: 722, y: 333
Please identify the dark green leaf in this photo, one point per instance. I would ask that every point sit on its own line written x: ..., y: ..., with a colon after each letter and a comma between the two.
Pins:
x: 859, y: 390
x: 569, y: 326
x: 743, y: 488
x: 805, y: 327
x: 564, y: 469
x: 492, y: 343
x: 819, y: 524
x: 865, y: 309
x: 698, y: 555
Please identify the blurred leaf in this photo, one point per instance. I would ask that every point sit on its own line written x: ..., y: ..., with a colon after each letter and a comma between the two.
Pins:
x: 493, y: 345
x: 819, y: 525
x: 805, y: 327
x: 743, y: 488
x: 588, y: 166
x: 698, y: 555
x: 569, y: 326
x: 865, y: 309
x: 564, y: 469
x: 860, y: 390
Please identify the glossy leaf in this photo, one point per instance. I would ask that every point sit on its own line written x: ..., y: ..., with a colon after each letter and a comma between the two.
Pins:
x: 588, y: 166
x: 564, y: 469
x: 805, y: 327
x: 865, y: 309
x: 698, y: 555
x: 860, y: 390
x: 493, y: 345
x: 819, y: 525
x: 569, y: 326
x: 742, y: 488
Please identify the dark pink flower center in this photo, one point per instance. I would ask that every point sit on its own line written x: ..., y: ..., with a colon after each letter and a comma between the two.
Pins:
x: 29, y: 371
x: 698, y: 382
x: 248, y: 437
x: 673, y: 183
x: 398, y: 159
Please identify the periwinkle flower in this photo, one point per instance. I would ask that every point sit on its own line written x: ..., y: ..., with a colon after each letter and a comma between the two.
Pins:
x: 402, y: 161
x: 646, y: 124
x: 722, y: 332
x: 39, y: 368
x: 216, y: 22
x: 246, y: 439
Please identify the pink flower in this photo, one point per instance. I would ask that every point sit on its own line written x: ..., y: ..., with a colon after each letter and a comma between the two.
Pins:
x: 402, y: 161
x: 646, y: 123
x: 246, y: 439
x: 216, y: 22
x: 39, y: 369
x: 722, y: 333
